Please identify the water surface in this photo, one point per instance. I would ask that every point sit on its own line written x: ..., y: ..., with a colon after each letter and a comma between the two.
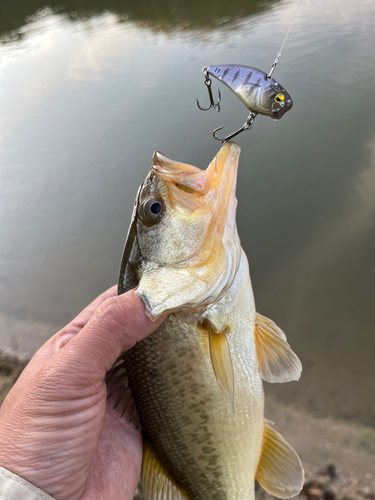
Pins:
x: 91, y: 88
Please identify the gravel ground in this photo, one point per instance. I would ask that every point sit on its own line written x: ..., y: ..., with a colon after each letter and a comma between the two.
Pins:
x: 338, y: 457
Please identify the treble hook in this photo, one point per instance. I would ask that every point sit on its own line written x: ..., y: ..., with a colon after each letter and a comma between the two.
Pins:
x: 208, y: 82
x: 246, y: 126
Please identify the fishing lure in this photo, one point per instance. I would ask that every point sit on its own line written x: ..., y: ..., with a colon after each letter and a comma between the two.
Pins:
x: 260, y: 93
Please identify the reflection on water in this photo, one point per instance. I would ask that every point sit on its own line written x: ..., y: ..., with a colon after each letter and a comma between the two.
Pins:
x: 166, y: 15
x: 86, y: 104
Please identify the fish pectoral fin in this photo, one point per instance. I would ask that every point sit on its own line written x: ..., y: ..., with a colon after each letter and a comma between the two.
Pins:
x: 280, y: 470
x: 276, y: 360
x: 156, y: 483
x: 271, y: 324
x: 221, y: 362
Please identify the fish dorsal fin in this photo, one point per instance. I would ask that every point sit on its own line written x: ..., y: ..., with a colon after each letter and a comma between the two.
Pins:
x: 280, y: 471
x: 221, y: 362
x: 276, y: 360
x: 156, y: 483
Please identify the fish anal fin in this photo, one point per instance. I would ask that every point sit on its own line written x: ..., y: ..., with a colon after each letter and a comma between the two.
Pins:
x: 280, y: 470
x: 156, y: 482
x: 221, y: 362
x: 276, y: 360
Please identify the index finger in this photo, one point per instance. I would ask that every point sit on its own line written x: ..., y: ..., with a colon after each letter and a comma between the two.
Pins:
x: 65, y: 335
x: 84, y: 316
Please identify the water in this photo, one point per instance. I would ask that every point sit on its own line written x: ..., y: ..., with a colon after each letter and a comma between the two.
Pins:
x: 90, y: 89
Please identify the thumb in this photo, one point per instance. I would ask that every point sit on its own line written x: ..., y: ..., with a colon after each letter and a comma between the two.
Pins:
x: 116, y: 326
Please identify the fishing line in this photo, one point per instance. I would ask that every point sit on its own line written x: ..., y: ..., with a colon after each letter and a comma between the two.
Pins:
x: 282, y: 45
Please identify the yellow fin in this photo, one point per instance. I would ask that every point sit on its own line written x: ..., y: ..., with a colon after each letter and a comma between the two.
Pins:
x: 156, y: 483
x: 276, y: 360
x: 271, y: 324
x: 280, y: 470
x: 222, y: 363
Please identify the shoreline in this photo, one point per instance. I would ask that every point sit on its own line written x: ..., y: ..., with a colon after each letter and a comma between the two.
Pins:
x: 11, y: 365
x: 338, y: 457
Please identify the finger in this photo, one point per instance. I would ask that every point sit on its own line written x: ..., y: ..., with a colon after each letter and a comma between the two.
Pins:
x: 65, y: 335
x: 61, y: 338
x: 83, y: 317
x: 116, y: 326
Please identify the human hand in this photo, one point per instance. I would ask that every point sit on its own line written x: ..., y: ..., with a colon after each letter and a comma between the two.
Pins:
x: 57, y: 429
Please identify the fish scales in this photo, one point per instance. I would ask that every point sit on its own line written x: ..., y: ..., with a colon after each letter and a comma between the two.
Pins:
x: 196, y: 380
x: 180, y: 402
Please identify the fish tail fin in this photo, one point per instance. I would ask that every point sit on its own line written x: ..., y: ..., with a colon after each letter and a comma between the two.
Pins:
x: 280, y: 470
x: 156, y: 482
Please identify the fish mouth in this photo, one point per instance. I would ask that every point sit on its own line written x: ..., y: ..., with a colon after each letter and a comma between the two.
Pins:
x: 203, y: 257
x: 193, y: 188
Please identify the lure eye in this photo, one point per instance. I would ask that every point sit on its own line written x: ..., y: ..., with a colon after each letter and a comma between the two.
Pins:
x: 151, y: 210
x: 280, y: 97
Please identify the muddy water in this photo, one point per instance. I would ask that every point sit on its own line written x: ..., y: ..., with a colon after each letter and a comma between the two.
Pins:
x: 90, y: 89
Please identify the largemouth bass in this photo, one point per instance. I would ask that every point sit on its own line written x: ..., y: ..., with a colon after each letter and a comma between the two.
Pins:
x: 197, y: 380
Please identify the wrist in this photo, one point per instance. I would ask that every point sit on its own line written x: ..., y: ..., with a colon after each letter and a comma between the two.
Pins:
x: 14, y: 487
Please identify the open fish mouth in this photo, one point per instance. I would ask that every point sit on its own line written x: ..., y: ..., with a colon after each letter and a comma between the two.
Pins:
x: 190, y: 186
x: 192, y: 240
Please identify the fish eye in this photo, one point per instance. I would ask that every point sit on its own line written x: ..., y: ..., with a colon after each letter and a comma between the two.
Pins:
x: 280, y: 97
x: 151, y: 210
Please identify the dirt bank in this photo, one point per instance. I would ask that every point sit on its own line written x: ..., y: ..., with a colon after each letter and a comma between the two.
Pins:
x: 11, y: 365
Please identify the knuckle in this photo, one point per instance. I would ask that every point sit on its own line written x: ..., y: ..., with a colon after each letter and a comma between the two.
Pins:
x: 118, y: 309
x: 62, y: 338
x: 107, y: 309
